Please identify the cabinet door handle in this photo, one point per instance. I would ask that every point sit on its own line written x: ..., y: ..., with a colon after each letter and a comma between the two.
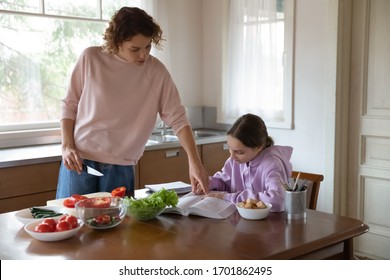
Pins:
x: 172, y: 153
x: 225, y: 147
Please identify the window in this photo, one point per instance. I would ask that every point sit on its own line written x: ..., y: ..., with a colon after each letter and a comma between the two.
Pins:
x: 40, y: 41
x: 258, y: 75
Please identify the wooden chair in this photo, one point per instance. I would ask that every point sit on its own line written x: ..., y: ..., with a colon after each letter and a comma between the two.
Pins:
x: 313, y: 186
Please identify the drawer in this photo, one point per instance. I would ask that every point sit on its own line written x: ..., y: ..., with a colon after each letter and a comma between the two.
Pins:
x: 28, y: 179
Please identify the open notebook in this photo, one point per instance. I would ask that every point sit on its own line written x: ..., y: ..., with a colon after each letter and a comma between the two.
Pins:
x: 178, y: 186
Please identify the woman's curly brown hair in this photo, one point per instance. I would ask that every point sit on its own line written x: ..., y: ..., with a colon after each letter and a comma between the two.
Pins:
x: 128, y: 22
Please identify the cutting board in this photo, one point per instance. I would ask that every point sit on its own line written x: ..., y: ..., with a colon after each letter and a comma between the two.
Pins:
x: 72, y: 211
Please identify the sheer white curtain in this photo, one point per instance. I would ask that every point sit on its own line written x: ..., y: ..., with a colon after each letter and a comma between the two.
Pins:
x: 254, y: 76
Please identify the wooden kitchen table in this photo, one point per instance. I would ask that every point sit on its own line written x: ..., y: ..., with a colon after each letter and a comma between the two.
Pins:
x: 172, y: 237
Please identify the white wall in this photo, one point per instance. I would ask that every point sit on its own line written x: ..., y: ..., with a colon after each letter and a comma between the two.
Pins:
x: 197, y: 29
x: 184, y: 43
x: 314, y: 94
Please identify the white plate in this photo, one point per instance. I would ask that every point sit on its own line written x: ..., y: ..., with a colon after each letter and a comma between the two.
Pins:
x: 51, y: 236
x: 24, y: 216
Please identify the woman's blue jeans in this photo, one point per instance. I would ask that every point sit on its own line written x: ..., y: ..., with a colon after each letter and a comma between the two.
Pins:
x: 70, y: 182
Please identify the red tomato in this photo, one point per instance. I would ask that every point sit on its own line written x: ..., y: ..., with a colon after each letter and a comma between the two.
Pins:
x: 72, y: 220
x: 119, y: 192
x: 51, y: 222
x: 78, y: 197
x: 63, y: 225
x: 101, y: 202
x: 71, y: 201
x: 63, y: 218
x: 43, y: 228
x: 103, y: 219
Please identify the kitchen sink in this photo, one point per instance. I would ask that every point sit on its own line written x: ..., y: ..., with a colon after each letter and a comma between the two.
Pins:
x: 151, y: 142
x: 163, y: 138
x: 203, y: 133
x: 167, y: 136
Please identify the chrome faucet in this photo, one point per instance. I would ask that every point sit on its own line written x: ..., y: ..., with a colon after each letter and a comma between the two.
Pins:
x: 164, y: 129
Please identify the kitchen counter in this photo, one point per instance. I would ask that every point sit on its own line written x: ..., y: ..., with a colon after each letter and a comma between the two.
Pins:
x: 10, y: 157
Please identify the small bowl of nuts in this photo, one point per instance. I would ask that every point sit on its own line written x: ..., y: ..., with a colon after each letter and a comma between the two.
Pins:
x: 253, y: 209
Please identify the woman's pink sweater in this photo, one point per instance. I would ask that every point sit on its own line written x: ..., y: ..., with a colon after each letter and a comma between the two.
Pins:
x: 115, y: 104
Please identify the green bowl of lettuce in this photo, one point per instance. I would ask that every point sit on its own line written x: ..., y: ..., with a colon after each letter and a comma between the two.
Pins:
x: 148, y: 208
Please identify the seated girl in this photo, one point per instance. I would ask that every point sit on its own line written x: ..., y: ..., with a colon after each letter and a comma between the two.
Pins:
x: 256, y: 168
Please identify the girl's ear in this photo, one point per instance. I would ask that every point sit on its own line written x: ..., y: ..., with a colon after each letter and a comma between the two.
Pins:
x: 263, y: 146
x: 260, y: 148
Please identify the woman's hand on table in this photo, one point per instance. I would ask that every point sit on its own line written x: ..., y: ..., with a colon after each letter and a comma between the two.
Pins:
x: 199, y: 179
x: 197, y: 189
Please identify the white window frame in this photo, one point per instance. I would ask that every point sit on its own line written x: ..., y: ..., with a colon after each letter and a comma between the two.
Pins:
x: 45, y: 132
x: 288, y: 92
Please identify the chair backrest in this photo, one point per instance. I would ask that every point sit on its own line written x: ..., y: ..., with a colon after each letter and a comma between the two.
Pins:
x: 313, y: 186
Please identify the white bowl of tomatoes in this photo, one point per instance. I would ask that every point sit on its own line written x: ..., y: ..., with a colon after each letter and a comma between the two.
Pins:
x: 51, y: 229
x: 101, y: 212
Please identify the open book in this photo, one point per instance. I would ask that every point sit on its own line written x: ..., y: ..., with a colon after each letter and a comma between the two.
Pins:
x: 201, y: 205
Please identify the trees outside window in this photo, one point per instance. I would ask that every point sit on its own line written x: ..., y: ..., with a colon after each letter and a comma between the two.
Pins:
x: 39, y: 46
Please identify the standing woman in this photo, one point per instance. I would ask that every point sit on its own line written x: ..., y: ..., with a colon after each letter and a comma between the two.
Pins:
x: 111, y: 106
x: 256, y: 166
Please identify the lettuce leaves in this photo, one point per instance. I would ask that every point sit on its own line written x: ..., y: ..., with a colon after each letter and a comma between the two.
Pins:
x: 151, y: 206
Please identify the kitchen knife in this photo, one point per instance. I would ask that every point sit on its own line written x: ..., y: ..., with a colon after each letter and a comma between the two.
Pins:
x: 92, y: 171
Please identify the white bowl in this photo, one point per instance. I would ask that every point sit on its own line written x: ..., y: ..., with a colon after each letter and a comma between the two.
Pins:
x: 24, y: 216
x: 254, y: 214
x: 51, y: 236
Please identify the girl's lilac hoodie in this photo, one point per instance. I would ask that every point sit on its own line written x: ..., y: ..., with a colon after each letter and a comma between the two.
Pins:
x: 260, y: 179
